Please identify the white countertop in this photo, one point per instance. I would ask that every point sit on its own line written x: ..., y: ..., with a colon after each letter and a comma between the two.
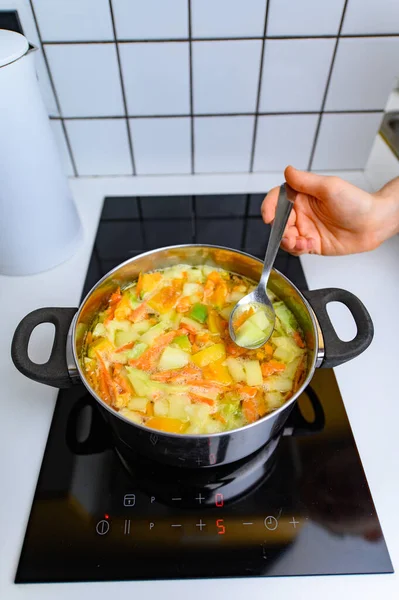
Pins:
x: 368, y: 385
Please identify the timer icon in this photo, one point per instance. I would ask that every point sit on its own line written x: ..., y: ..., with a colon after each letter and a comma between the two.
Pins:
x: 271, y: 523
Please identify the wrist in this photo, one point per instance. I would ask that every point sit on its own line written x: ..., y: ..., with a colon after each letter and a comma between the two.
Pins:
x: 386, y: 211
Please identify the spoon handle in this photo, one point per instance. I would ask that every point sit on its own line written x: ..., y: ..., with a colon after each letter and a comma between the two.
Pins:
x: 285, y: 203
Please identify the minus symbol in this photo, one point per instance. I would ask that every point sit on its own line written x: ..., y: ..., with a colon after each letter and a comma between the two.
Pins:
x: 176, y: 498
x: 247, y: 523
x: 176, y: 525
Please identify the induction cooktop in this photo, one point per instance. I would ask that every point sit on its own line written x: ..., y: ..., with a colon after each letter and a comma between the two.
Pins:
x: 303, y: 509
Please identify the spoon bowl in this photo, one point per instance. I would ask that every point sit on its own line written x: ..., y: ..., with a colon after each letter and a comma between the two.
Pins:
x: 258, y: 299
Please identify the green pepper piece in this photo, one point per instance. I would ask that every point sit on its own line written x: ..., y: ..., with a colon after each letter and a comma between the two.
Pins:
x: 199, y: 312
x: 183, y: 342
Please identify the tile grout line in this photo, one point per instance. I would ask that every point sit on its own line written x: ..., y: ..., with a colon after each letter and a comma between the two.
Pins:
x: 262, y: 56
x: 219, y: 39
x: 129, y: 135
x: 54, y: 90
x: 324, y: 100
x: 190, y: 57
x: 222, y: 115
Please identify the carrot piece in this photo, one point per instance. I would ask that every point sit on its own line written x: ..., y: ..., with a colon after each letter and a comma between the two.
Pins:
x: 139, y: 313
x: 272, y: 366
x: 147, y: 360
x: 125, y: 347
x: 106, y: 383
x: 219, y: 417
x: 250, y: 409
x: 298, y: 339
x: 247, y: 391
x: 243, y: 317
x: 178, y: 375
x: 89, y: 338
x: 113, y: 301
x: 183, y: 304
x: 196, y: 399
x: 150, y: 409
x: 233, y: 350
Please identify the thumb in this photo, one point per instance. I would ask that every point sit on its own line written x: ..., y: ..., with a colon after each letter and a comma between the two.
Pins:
x: 305, y: 182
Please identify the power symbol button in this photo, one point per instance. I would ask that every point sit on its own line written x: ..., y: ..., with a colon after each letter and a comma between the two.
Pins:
x: 102, y: 527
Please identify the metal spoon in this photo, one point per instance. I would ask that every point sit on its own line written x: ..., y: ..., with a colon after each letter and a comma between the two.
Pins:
x: 259, y: 297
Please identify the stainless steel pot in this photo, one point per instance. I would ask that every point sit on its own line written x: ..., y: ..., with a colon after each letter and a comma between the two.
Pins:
x: 71, y: 324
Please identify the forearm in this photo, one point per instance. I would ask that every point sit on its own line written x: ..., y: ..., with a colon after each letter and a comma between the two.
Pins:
x: 387, y: 209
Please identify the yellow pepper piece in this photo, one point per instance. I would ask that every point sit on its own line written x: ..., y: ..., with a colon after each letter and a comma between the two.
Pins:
x: 219, y: 296
x: 147, y: 282
x: 209, y: 355
x: 217, y: 372
x: 100, y: 346
x: 123, y: 309
x: 166, y: 424
x: 214, y: 322
x: 164, y: 300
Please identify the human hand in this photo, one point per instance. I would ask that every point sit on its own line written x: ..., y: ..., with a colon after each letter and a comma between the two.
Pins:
x: 331, y: 216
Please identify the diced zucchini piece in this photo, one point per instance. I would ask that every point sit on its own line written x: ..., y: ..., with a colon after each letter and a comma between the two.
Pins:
x: 149, y: 336
x: 114, y: 326
x: 120, y: 357
x: 161, y: 407
x: 137, y: 350
x: 138, y: 403
x: 226, y: 311
x: 140, y: 382
x: 177, y: 406
x: 198, y: 413
x: 141, y: 327
x: 291, y: 368
x: 260, y: 320
x: 191, y: 288
x: 99, y: 330
x: 195, y: 275
x: 191, y: 324
x: 286, y: 349
x: 171, y: 319
x: 253, y: 372
x: 173, y: 358
x: 249, y: 334
x: 207, y: 270
x: 133, y: 416
x: 274, y: 400
x: 199, y: 312
x: 123, y: 337
x: 287, y: 319
x: 278, y: 383
x: 100, y: 345
x: 236, y: 369
x: 236, y: 296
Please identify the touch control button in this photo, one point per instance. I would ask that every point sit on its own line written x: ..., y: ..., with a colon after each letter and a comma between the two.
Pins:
x: 102, y: 527
x: 271, y: 523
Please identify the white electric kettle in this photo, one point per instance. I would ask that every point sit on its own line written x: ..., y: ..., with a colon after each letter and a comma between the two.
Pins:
x: 39, y: 224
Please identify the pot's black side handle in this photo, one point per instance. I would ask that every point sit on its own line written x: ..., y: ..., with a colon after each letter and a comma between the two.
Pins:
x: 98, y: 438
x: 55, y: 371
x: 298, y: 425
x: 337, y: 351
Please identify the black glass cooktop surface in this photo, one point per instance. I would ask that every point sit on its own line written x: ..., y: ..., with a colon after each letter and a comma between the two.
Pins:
x: 304, y: 509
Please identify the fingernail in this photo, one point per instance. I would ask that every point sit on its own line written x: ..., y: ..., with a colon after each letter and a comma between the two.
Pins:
x: 284, y: 240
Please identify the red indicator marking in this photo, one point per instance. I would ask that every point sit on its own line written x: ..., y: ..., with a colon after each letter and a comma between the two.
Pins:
x: 219, y: 500
x: 220, y: 526
x: 106, y: 516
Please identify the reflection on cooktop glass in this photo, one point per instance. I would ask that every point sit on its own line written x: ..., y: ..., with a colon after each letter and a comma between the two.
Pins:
x: 299, y: 506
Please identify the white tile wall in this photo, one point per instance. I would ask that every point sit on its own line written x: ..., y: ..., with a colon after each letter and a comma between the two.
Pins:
x: 225, y: 76
x: 100, y: 146
x: 283, y: 140
x: 364, y: 73
x: 161, y: 146
x: 151, y: 19
x: 72, y: 20
x: 87, y: 79
x: 295, y: 74
x: 156, y: 77
x: 304, y: 17
x: 345, y: 140
x: 371, y: 16
x: 223, y: 144
x: 228, y: 18
x: 225, y: 81
x: 59, y: 136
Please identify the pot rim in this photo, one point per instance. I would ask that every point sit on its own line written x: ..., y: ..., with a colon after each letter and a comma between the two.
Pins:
x: 182, y: 436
